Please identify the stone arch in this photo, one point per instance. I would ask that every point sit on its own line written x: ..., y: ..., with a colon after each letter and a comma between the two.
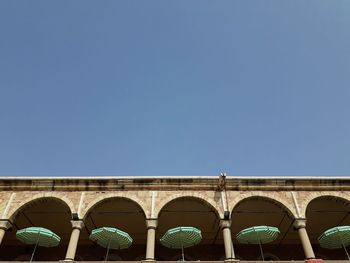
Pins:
x: 48, y: 195
x: 272, y: 197
x: 198, y: 196
x: 311, y: 196
x: 85, y: 210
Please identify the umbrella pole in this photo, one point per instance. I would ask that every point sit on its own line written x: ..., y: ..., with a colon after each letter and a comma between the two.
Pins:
x: 261, y: 251
x: 347, y: 254
x: 109, y: 242
x: 342, y: 244
x: 182, y: 251
x: 36, y: 244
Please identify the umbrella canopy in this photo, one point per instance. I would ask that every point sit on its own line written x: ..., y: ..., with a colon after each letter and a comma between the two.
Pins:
x: 336, y: 237
x: 181, y: 237
x: 111, y: 238
x: 258, y: 235
x: 38, y: 236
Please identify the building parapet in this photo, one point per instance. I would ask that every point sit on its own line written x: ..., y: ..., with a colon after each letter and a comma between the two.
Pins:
x: 206, y: 183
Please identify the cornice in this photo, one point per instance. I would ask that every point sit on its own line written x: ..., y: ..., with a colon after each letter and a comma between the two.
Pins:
x: 119, y: 183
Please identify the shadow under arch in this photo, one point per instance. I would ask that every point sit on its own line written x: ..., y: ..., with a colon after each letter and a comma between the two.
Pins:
x: 97, y: 201
x: 119, y: 212
x: 201, y: 198
x: 269, y: 199
x: 312, y: 196
x: 39, y: 199
x: 324, y: 212
x: 103, y: 200
x: 42, y: 211
x: 196, y: 212
x: 258, y: 210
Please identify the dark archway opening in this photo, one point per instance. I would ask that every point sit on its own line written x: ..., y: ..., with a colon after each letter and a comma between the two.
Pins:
x: 323, y: 213
x: 255, y: 211
x: 120, y: 213
x: 47, y: 212
x: 195, y: 212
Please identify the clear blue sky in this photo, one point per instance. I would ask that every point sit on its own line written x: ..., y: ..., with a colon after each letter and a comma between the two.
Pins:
x: 175, y: 87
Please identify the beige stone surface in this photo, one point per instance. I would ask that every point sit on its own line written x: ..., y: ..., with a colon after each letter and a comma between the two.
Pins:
x: 82, y: 201
x: 4, y: 199
x: 143, y: 199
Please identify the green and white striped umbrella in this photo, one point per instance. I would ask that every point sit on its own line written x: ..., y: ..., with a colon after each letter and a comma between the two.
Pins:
x: 110, y: 237
x: 336, y: 237
x: 258, y: 235
x: 181, y: 237
x: 38, y: 236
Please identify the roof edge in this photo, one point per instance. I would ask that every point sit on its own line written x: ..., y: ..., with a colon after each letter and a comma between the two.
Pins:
x: 129, y: 177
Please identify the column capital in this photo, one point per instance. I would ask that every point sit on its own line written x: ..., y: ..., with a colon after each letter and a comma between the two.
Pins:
x: 5, y: 224
x: 225, y: 223
x: 151, y: 223
x: 299, y: 223
x: 77, y: 224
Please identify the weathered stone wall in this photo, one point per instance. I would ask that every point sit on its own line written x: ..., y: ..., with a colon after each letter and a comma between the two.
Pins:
x: 80, y: 202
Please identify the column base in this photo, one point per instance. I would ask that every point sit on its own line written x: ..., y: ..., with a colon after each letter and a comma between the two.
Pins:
x: 150, y: 260
x: 229, y: 260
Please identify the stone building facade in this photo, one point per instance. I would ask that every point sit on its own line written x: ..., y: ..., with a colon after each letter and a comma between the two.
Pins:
x: 145, y: 207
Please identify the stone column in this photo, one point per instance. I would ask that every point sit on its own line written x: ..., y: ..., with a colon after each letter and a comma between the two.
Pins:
x: 300, y: 225
x: 4, y: 225
x: 151, y: 238
x: 77, y: 225
x: 226, y: 232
